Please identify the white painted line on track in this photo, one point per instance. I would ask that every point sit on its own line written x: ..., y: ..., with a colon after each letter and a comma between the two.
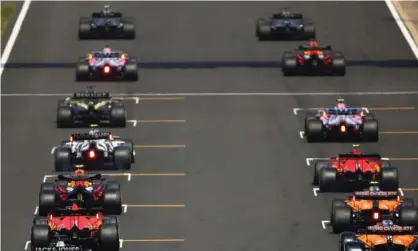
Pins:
x: 46, y: 177
x: 325, y: 223
x: 13, y: 36
x: 401, y: 192
x: 301, y: 134
x: 36, y: 211
x: 125, y: 208
x: 120, y: 243
x: 315, y: 191
x: 27, y: 245
x: 134, y: 122
x: 402, y: 27
x: 53, y: 150
x: 230, y: 94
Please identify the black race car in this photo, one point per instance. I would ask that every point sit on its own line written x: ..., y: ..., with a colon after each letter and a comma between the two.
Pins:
x: 91, y: 192
x: 108, y: 65
x: 285, y: 25
x: 313, y: 59
x: 94, y: 150
x: 106, y: 24
x: 90, y: 107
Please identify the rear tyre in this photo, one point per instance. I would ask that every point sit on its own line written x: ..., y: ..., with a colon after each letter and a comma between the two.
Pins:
x: 341, y: 219
x: 40, y: 236
x: 128, y: 28
x: 309, y: 31
x: 317, y: 170
x: 82, y: 72
x: 131, y: 70
x: 263, y: 31
x: 118, y: 116
x: 112, y: 202
x: 109, y: 237
x: 313, y: 130
x: 327, y: 180
x: 46, y: 203
x: 408, y: 216
x: 62, y: 156
x: 64, y: 117
x: 346, y: 237
x: 371, y: 131
x: 84, y: 28
x: 389, y: 179
x: 354, y: 246
x: 122, y: 157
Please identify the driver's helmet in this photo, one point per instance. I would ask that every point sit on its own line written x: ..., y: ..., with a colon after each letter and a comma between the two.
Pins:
x: 313, y: 43
x: 93, y: 132
x: 285, y: 12
x: 107, y: 50
x: 79, y: 172
x: 340, y: 104
x: 356, y: 150
x: 387, y: 223
x: 374, y: 189
x: 106, y: 10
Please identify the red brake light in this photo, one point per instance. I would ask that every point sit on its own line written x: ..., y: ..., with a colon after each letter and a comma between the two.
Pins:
x: 343, y: 128
x: 376, y: 215
x: 92, y: 154
x: 106, y: 69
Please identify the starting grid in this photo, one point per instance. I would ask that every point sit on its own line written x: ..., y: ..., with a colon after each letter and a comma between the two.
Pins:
x: 310, y: 161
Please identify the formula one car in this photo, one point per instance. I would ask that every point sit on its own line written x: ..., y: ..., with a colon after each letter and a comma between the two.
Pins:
x: 313, y: 59
x: 285, y: 24
x: 76, y: 231
x: 106, y: 24
x: 92, y: 192
x: 94, y: 150
x: 368, y: 207
x: 355, y: 170
x: 107, y: 64
x: 341, y: 123
x: 90, y: 107
x: 382, y: 236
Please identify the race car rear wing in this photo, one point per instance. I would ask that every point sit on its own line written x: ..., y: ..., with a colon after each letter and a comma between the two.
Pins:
x: 91, y: 95
x: 82, y: 177
x: 373, y: 156
x: 376, y: 195
x: 388, y: 230
x: 87, y: 136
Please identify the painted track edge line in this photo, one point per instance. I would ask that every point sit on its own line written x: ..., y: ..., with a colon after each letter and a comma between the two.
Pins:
x: 404, y: 30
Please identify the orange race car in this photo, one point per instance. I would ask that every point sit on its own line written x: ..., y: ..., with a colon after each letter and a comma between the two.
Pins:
x: 383, y: 236
x: 365, y: 208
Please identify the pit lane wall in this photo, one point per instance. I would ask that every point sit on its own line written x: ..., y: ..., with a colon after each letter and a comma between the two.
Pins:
x: 408, y: 11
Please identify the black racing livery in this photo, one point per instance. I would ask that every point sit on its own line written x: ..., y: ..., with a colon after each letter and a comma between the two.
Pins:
x: 90, y: 107
x: 94, y: 150
x: 285, y: 25
x: 89, y: 191
x: 106, y: 24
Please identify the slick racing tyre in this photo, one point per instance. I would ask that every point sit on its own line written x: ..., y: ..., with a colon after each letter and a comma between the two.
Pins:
x: 37, y: 220
x: 309, y: 31
x: 84, y: 28
x: 112, y: 185
x: 118, y: 116
x: 131, y: 70
x: 130, y: 144
x: 40, y: 236
x: 319, y: 165
x: 82, y: 72
x: 122, y: 157
x: 407, y: 202
x: 109, y: 237
x: 327, y: 179
x: 112, y: 201
x: 338, y: 64
x: 263, y: 30
x: 370, y: 130
x: 408, y: 216
x: 341, y: 219
x: 345, y: 238
x: 313, y: 129
x: 64, y: 117
x: 46, y: 203
x: 354, y: 246
x: 62, y: 156
x: 128, y: 28
x: 111, y: 220
x: 389, y: 179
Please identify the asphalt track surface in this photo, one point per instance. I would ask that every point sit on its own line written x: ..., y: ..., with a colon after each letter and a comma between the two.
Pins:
x: 246, y: 183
